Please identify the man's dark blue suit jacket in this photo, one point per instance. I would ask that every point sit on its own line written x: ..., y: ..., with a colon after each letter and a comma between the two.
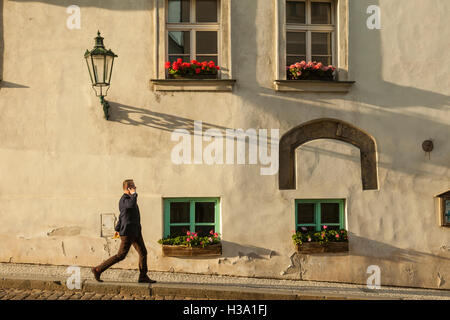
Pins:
x: 129, y: 223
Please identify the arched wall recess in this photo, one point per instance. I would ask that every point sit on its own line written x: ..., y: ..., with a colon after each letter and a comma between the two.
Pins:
x: 327, y: 129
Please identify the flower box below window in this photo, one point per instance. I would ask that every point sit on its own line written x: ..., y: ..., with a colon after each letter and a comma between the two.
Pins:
x: 184, y: 251
x: 192, y: 76
x: 317, y: 248
x: 203, y: 85
x: 318, y: 86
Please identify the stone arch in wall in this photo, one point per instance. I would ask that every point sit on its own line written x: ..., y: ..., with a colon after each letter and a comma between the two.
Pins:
x: 327, y: 129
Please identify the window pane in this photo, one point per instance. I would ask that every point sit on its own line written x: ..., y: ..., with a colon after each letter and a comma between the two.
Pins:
x: 176, y: 231
x: 305, y: 212
x: 325, y: 60
x: 175, y: 58
x: 295, y: 12
x: 204, y: 211
x: 320, y: 13
x: 179, y: 42
x: 206, y: 10
x: 329, y: 213
x: 321, y: 43
x: 305, y: 229
x: 204, y: 230
x: 296, y: 43
x: 178, y: 11
x: 207, y: 58
x: 179, y: 212
x: 206, y: 42
x: 293, y: 59
x: 447, y: 210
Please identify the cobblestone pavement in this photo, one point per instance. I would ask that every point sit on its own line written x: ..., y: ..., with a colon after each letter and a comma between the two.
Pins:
x: 37, y: 294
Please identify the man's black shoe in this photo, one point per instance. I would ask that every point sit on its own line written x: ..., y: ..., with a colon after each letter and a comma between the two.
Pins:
x: 146, y: 279
x: 96, y: 274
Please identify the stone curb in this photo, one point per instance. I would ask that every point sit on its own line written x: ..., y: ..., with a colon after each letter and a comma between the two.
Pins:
x: 167, y: 289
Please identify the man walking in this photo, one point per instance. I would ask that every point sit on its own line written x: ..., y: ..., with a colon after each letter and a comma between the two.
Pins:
x: 129, y: 229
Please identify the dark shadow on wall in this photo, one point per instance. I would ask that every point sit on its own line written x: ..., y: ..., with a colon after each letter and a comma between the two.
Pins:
x: 119, y: 5
x: 364, y: 247
x: 136, y: 116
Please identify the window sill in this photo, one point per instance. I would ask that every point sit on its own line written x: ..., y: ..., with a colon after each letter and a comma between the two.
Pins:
x: 183, y: 251
x: 225, y: 85
x: 313, y: 86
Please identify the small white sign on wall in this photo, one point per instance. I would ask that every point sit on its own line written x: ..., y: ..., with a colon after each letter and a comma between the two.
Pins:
x: 107, y: 221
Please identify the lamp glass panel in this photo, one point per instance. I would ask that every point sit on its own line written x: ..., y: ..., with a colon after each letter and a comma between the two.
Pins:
x: 99, y: 68
x: 109, y: 65
x: 90, y: 69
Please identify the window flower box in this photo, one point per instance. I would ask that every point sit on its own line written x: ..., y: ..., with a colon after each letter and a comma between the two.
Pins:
x: 192, y: 245
x: 310, y: 71
x: 186, y: 251
x: 192, y: 70
x: 324, y: 241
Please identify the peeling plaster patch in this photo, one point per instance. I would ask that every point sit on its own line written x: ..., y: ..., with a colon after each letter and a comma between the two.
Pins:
x: 440, y: 281
x: 171, y: 269
x: 445, y: 248
x: 10, y: 259
x: 65, y: 231
x: 92, y: 249
x: 294, y: 266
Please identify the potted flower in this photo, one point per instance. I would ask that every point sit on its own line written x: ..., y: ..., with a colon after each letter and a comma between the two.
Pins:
x: 324, y: 241
x: 310, y: 71
x: 192, y: 244
x: 192, y: 70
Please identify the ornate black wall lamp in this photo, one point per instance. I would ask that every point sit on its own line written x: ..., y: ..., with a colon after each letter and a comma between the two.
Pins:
x: 100, y: 65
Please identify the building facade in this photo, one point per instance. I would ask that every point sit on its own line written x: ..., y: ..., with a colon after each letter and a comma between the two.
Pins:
x: 348, y: 153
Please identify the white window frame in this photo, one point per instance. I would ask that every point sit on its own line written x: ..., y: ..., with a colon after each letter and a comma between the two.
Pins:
x: 162, y: 28
x: 192, y: 27
x: 310, y: 28
x: 338, y: 29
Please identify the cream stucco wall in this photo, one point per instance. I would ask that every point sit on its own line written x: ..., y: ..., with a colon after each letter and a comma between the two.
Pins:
x: 62, y: 164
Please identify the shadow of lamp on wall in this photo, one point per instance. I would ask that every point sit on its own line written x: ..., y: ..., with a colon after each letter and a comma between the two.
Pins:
x: 100, y: 66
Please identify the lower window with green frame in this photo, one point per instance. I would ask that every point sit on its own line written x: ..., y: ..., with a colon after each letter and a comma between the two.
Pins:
x: 200, y: 215
x: 313, y: 214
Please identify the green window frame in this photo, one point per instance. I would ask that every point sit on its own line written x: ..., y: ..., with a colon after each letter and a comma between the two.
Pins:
x: 317, y: 224
x: 192, y: 224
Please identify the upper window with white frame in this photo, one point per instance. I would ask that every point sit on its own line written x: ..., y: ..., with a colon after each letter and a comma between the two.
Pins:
x: 193, y: 30
x: 310, y: 31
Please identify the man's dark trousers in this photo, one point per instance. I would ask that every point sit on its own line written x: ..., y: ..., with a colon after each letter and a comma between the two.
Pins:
x: 126, y: 242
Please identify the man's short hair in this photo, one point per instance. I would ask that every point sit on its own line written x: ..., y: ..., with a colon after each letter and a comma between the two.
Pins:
x: 126, y: 183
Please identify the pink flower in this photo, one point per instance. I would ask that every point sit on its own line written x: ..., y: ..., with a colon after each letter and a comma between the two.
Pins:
x: 325, y: 227
x: 325, y: 69
x: 210, y: 239
x: 188, y: 239
x: 299, y: 73
x: 195, y: 234
x: 309, y: 239
x: 215, y: 235
x: 337, y: 236
x: 191, y: 237
x: 188, y: 233
x: 298, y: 65
x: 211, y: 232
